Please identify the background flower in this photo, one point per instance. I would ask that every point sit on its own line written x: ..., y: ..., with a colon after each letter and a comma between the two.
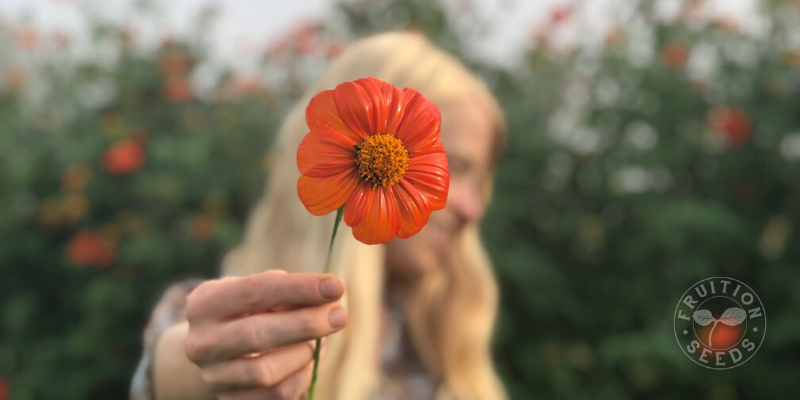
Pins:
x: 732, y: 124
x: 124, y: 157
x: 89, y: 248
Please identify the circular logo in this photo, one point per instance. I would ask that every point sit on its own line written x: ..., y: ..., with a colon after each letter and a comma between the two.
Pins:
x: 720, y: 323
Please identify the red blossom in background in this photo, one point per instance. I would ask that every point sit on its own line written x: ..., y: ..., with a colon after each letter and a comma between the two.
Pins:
x: 178, y: 90
x: 61, y: 40
x: 15, y: 77
x: 26, y: 39
x: 615, y: 36
x: 245, y: 85
x: 76, y: 177
x: 203, y: 228
x: 729, y: 23
x: 175, y: 64
x: 124, y: 157
x: 731, y: 123
x: 87, y: 247
x: 305, y: 39
x: 691, y: 11
x: 5, y: 389
x: 561, y: 14
x: 675, y: 55
x: 305, y: 36
x: 334, y: 49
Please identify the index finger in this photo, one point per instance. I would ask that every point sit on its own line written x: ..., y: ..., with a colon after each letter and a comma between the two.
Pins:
x: 235, y: 296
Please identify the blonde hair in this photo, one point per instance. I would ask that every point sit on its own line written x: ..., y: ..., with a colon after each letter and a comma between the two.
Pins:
x: 451, y: 312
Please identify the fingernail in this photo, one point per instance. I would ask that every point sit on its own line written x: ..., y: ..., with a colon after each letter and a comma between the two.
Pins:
x: 331, y: 287
x: 337, y: 317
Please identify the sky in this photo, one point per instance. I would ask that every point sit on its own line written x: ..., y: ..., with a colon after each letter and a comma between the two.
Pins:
x: 246, y: 26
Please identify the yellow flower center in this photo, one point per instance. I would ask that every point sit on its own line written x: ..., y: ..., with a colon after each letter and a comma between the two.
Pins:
x: 381, y: 160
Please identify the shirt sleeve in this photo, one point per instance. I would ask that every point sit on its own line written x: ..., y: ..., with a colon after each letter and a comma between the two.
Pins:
x: 168, y: 311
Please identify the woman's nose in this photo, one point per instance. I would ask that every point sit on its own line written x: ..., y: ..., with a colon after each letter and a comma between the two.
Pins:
x: 466, y: 201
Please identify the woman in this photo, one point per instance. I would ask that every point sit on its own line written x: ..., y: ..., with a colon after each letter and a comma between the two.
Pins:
x: 418, y: 312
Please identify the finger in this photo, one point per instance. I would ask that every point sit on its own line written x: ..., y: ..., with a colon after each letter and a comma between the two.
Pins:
x: 263, y: 332
x: 290, y: 388
x: 293, y: 386
x: 269, y: 331
x: 259, y: 372
x: 236, y: 296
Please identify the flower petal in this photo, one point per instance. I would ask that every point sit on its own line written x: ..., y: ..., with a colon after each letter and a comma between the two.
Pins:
x: 324, y: 153
x: 415, y: 208
x: 323, y: 195
x: 370, y: 106
x: 421, y: 123
x: 321, y: 114
x: 380, y: 215
x: 428, y: 173
x: 357, y: 204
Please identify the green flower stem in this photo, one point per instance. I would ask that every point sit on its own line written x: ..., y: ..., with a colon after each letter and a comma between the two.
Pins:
x: 339, y: 214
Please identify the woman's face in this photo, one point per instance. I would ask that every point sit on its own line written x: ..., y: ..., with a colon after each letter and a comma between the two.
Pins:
x: 468, y: 138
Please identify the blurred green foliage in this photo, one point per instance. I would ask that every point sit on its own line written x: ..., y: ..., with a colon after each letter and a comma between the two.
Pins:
x: 118, y: 177
x: 639, y: 161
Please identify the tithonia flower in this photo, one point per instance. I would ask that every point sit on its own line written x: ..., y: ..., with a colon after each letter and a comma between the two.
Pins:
x: 674, y: 55
x: 178, y: 89
x: 732, y: 123
x: 202, y: 228
x: 15, y: 77
x: 5, y: 389
x: 76, y: 177
x: 89, y: 248
x: 124, y: 157
x: 176, y: 64
x: 375, y: 149
x: 27, y: 39
x: 561, y: 14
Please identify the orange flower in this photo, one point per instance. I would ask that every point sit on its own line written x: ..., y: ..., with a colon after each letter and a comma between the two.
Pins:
x: 203, y: 228
x: 27, y: 39
x: 728, y: 23
x: 732, y: 123
x: 5, y: 389
x: 62, y: 40
x: 50, y: 212
x: 15, y: 77
x: 244, y: 85
x: 175, y: 64
x: 375, y: 148
x: 74, y: 206
x: 113, y: 123
x: 674, y: 55
x: 615, y: 36
x: 76, y: 177
x: 89, y: 248
x: 178, y: 90
x: 334, y: 50
x: 561, y: 14
x: 124, y: 157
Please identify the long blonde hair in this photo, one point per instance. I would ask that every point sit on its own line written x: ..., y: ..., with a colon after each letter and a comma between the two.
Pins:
x: 451, y: 312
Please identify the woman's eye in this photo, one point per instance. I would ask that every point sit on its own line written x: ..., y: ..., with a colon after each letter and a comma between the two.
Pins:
x: 456, y: 165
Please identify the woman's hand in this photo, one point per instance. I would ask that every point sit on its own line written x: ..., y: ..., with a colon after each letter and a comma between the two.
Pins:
x: 252, y: 337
